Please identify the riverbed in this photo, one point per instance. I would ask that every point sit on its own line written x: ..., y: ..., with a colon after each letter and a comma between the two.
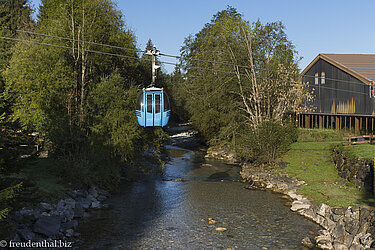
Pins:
x: 172, y: 210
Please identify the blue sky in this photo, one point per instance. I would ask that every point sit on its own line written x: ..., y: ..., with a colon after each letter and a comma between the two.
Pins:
x: 319, y: 26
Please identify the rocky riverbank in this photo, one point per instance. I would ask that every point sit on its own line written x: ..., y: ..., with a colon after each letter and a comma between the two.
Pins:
x: 50, y: 222
x: 351, y: 228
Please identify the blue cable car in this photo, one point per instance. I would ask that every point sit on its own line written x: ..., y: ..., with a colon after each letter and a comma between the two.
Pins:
x: 153, y: 108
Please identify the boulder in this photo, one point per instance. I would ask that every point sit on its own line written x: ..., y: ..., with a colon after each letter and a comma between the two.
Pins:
x: 47, y: 225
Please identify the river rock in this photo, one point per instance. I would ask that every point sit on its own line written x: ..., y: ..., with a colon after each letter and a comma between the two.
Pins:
x: 306, y: 242
x: 26, y: 234
x: 352, y: 227
x: 93, y: 192
x: 78, y: 211
x: 366, y: 240
x: 323, y: 210
x: 339, y: 232
x: 70, y: 203
x: 103, y: 192
x: 84, y: 202
x: 69, y: 232
x: 355, y: 246
x: 101, y: 197
x: 339, y: 246
x: 95, y: 204
x: 298, y: 205
x: 69, y: 225
x: 45, y: 207
x: 47, y: 225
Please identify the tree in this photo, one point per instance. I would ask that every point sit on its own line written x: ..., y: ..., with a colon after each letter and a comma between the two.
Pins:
x: 13, y: 15
x: 241, y: 82
x: 271, y: 76
x: 82, y: 102
x: 211, y: 94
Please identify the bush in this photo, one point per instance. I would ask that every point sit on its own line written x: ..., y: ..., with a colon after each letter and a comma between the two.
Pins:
x: 265, y: 144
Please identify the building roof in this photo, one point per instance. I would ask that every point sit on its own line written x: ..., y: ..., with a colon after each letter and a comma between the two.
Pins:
x: 360, y: 66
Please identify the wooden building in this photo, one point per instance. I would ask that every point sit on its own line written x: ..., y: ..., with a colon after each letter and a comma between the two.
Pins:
x: 343, y: 90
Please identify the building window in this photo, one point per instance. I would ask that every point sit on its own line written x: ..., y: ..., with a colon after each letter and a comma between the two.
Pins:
x: 316, y: 78
x: 323, y: 78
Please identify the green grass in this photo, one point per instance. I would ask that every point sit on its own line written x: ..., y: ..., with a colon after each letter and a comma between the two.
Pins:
x: 40, y: 182
x: 43, y: 175
x: 311, y: 161
x: 365, y: 151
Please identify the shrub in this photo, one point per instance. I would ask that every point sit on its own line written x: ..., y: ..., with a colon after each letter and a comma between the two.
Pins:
x: 266, y: 143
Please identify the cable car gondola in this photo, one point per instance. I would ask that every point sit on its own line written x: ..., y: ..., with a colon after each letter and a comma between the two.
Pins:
x: 153, y: 105
x: 153, y: 108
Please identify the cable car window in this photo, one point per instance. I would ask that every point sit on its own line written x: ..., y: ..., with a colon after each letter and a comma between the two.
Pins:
x: 149, y: 103
x: 157, y: 103
x: 166, y: 102
x: 140, y: 104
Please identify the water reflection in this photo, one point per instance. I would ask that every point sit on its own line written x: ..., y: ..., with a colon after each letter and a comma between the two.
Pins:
x: 173, y: 214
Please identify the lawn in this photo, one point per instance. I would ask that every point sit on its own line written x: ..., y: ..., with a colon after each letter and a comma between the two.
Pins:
x: 39, y: 179
x: 310, y: 160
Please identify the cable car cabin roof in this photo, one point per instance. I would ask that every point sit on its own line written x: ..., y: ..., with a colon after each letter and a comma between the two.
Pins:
x: 153, y: 89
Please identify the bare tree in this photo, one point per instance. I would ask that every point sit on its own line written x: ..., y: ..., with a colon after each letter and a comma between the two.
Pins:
x: 269, y: 95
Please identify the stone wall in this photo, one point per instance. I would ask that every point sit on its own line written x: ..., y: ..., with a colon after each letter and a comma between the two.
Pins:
x: 358, y: 171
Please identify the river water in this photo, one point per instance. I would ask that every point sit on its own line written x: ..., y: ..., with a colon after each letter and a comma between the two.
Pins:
x: 163, y: 212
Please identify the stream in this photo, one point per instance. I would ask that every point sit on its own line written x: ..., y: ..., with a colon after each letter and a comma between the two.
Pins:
x: 171, y: 211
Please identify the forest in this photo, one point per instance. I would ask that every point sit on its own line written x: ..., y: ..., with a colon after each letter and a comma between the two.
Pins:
x: 72, y: 75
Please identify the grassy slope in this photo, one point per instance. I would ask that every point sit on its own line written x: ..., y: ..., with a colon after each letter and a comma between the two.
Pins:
x: 310, y: 160
x: 40, y: 182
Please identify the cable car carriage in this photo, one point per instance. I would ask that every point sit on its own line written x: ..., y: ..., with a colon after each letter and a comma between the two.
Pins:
x: 153, y: 108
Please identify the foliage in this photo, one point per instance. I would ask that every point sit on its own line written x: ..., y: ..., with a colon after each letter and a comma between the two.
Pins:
x: 268, y: 142
x: 251, y: 87
x: 210, y: 96
x: 5, y: 195
x: 114, y: 122
x: 82, y: 103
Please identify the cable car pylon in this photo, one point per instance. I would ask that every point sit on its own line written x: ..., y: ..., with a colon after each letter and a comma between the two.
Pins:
x: 153, y: 104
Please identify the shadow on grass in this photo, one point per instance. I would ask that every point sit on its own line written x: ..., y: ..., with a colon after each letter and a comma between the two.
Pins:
x: 367, y: 199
